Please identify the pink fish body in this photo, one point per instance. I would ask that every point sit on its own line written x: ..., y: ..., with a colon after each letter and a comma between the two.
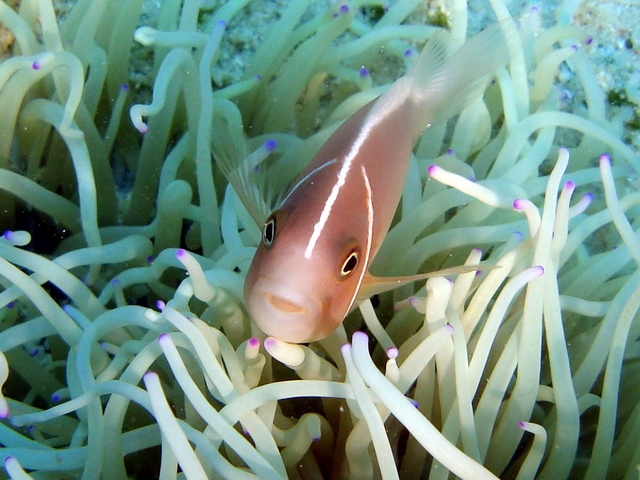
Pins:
x: 311, y: 266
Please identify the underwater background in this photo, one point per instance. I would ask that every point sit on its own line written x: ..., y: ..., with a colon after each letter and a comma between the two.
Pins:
x: 125, y: 347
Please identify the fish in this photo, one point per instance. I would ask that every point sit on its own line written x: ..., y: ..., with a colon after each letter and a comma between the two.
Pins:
x: 311, y: 267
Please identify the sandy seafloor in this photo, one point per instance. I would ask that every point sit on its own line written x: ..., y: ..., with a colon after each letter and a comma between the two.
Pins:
x: 613, y: 25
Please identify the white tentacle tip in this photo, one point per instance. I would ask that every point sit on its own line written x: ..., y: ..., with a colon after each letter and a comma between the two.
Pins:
x: 605, y: 160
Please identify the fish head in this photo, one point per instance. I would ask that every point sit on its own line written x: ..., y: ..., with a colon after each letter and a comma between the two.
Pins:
x: 297, y: 297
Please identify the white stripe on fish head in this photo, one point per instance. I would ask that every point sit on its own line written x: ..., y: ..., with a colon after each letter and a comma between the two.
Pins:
x: 367, y: 249
x: 341, y: 179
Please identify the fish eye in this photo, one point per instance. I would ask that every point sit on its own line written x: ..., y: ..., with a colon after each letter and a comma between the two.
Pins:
x: 350, y: 264
x: 269, y: 231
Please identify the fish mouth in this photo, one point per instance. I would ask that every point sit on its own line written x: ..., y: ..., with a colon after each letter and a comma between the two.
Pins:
x: 283, y: 312
x: 283, y: 305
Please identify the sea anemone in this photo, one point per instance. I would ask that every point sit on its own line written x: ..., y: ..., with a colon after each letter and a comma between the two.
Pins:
x: 125, y: 349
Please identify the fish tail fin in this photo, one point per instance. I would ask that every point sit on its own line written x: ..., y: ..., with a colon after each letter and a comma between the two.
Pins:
x: 448, y: 77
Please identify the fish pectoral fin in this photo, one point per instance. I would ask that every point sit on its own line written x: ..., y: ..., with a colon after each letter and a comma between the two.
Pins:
x: 239, y: 166
x: 372, y: 285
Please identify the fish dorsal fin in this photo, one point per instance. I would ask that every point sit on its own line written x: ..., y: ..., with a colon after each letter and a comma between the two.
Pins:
x: 241, y: 168
x: 372, y: 285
